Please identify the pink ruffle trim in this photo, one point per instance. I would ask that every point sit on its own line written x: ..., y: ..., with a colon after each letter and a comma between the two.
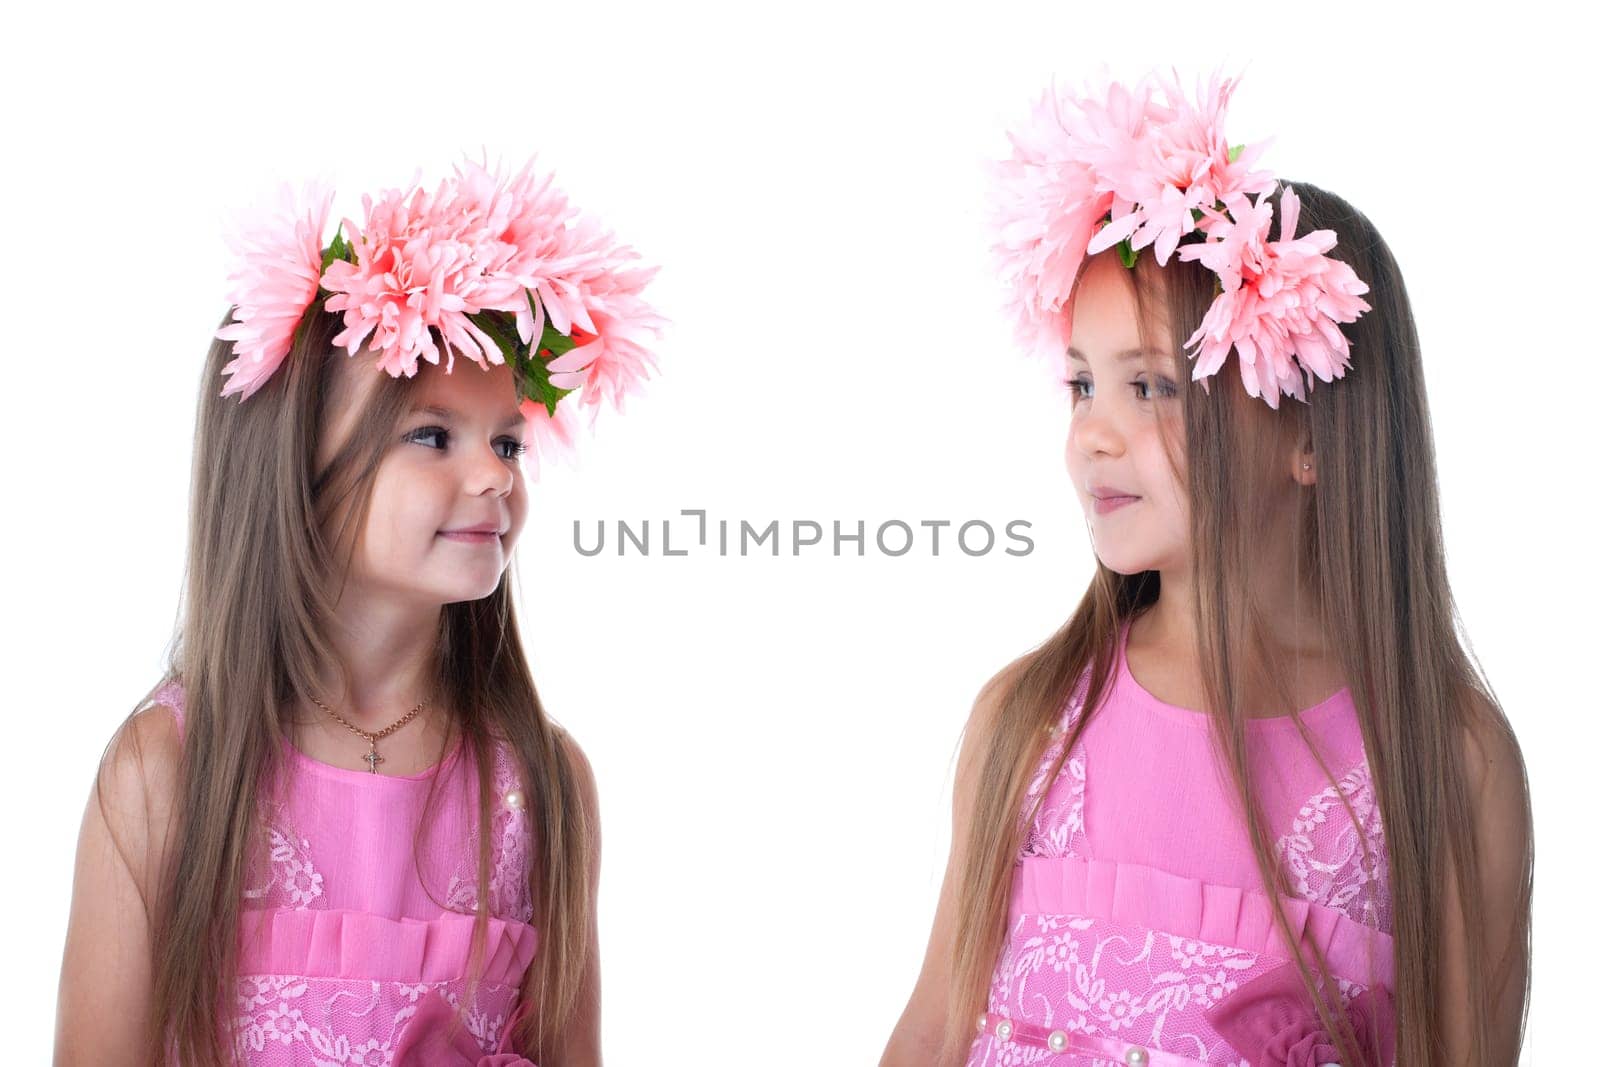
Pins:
x: 354, y: 944
x: 1186, y: 907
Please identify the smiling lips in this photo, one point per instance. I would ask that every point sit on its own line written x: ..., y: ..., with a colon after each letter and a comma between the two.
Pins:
x: 481, y: 534
x: 1108, y: 498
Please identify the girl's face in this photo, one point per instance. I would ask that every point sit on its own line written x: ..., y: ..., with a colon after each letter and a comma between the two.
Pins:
x: 1113, y: 445
x: 454, y: 467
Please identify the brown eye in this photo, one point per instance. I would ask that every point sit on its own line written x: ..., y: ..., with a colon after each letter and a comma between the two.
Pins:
x: 427, y: 431
x: 1165, y: 388
x: 515, y: 451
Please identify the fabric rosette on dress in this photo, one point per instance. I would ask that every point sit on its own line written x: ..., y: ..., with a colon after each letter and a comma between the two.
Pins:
x: 1273, y: 1023
x: 436, y: 1038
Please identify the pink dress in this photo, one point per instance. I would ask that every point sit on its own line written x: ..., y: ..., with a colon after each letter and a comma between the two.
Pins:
x: 1138, y: 929
x: 341, y: 947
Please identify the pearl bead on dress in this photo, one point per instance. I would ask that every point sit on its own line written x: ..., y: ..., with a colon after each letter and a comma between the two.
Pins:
x: 514, y: 799
x: 1136, y: 1057
x: 1003, y: 1031
x: 1058, y: 1040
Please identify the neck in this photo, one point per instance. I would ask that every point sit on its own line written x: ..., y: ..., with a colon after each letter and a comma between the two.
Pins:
x: 380, y: 664
x: 1288, y: 602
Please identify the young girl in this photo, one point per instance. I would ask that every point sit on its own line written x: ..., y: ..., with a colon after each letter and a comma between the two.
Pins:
x: 1250, y: 804
x: 342, y: 828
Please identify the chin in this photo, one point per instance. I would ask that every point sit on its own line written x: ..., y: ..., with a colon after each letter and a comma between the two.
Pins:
x: 1125, y: 565
x: 465, y: 591
x: 455, y: 585
x: 466, y: 598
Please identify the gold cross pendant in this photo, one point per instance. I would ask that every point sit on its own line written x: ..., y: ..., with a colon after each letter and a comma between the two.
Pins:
x: 372, y: 758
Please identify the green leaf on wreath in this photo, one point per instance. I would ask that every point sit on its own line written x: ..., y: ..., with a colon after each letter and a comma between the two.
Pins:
x: 554, y: 343
x: 339, y: 249
x: 501, y: 331
x: 538, y: 387
x: 501, y: 327
x: 1126, y: 253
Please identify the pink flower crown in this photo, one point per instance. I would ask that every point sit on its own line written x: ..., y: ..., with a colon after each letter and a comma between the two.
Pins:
x: 1117, y: 167
x: 501, y: 272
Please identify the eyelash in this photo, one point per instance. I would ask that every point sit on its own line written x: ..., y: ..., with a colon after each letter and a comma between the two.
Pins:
x: 1166, y: 388
x: 517, y: 447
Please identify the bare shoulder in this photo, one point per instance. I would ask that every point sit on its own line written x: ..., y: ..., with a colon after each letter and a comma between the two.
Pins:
x: 1496, y: 786
x: 1496, y: 775
x: 991, y: 701
x: 1496, y: 783
x: 145, y: 751
x: 106, y: 963
x: 987, y: 707
x: 582, y: 769
x: 135, y: 789
x: 1005, y: 679
x: 583, y: 781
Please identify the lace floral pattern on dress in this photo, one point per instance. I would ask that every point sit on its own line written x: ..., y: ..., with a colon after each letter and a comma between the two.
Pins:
x: 283, y: 875
x: 510, y: 856
x: 308, y: 1020
x: 1058, y: 828
x: 1118, y: 981
x: 1328, y: 861
x: 1089, y: 976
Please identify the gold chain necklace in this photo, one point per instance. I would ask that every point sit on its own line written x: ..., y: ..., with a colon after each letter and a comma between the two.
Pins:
x: 372, y: 757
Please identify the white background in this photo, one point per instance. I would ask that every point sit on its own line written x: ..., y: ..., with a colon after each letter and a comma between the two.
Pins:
x: 772, y: 737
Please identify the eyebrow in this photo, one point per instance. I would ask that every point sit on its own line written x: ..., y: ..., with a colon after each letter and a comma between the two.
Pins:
x: 446, y: 413
x: 1122, y: 357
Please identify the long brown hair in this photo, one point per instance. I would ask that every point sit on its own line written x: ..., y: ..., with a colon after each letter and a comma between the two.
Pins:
x: 259, y: 585
x: 1368, y: 548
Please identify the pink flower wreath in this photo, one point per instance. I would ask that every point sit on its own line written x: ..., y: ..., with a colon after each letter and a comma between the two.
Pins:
x: 497, y: 271
x: 1117, y: 167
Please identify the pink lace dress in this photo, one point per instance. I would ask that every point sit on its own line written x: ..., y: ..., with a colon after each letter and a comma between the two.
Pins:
x: 344, y: 958
x: 1139, y: 933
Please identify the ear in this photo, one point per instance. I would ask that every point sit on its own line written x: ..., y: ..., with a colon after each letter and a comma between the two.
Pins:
x: 1303, y: 464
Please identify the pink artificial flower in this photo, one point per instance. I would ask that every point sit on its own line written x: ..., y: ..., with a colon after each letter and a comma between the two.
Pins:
x: 548, y: 437
x: 1177, y: 164
x: 1236, y: 242
x: 274, y: 282
x: 1047, y: 203
x: 1281, y: 301
x: 615, y: 362
x: 533, y: 217
x: 422, y: 261
x: 587, y: 284
x: 1271, y: 1022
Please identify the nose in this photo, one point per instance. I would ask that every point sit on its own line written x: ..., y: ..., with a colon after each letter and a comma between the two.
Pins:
x: 491, y: 473
x: 1094, y: 432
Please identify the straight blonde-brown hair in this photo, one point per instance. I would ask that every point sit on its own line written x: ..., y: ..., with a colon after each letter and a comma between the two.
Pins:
x: 259, y: 584
x: 1368, y: 544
